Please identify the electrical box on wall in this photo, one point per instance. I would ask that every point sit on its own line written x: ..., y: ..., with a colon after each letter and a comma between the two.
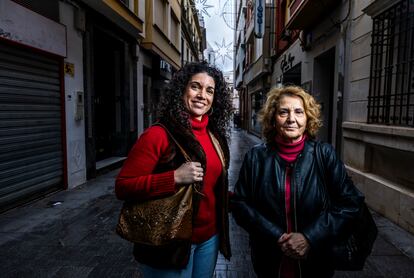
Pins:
x: 79, y: 106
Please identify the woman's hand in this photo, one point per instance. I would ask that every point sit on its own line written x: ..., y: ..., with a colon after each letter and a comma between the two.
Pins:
x: 294, y: 245
x: 188, y: 172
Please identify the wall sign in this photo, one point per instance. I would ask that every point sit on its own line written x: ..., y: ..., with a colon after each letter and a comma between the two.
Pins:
x: 259, y: 21
x: 287, y: 62
x: 69, y: 69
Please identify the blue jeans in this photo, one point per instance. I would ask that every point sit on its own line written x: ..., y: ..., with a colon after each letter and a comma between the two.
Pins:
x: 202, y: 262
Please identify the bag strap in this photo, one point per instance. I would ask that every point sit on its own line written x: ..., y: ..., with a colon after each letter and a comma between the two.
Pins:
x: 186, y: 156
x: 218, y: 148
x: 319, y: 161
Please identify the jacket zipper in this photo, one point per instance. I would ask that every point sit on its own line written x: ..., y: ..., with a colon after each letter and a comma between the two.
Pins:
x: 295, y: 188
x: 284, y: 197
x: 286, y: 215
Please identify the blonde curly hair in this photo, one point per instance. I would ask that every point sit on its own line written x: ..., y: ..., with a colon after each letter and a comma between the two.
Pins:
x: 267, y: 114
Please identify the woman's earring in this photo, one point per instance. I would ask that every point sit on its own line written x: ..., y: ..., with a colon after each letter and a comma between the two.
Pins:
x: 210, y: 111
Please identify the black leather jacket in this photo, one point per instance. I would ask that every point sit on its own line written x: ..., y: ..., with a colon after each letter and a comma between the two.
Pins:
x: 259, y: 206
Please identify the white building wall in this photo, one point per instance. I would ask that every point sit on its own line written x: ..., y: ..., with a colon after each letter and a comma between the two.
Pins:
x: 369, y: 145
x: 360, y: 62
x: 75, y: 129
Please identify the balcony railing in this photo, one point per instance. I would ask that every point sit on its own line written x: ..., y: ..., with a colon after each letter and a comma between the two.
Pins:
x: 306, y: 13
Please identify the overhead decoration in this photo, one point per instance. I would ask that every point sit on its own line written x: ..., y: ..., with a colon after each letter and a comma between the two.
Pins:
x: 202, y: 7
x: 224, y: 50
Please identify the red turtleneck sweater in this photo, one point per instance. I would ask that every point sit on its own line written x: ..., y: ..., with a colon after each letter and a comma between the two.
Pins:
x: 137, y: 181
x: 289, y: 152
x: 205, y: 223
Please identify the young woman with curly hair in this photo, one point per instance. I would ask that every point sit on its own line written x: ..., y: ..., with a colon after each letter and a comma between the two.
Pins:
x: 195, y: 110
x: 279, y: 198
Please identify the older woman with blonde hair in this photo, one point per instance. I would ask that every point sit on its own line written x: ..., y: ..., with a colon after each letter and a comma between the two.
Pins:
x: 279, y: 199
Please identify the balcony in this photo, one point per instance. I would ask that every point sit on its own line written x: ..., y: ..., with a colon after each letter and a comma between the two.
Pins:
x: 257, y: 69
x: 120, y: 14
x: 307, y: 13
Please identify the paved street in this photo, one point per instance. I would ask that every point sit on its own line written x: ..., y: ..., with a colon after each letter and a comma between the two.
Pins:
x: 71, y: 234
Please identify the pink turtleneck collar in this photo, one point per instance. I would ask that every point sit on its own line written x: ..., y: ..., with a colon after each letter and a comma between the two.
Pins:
x: 199, y: 126
x: 290, y: 151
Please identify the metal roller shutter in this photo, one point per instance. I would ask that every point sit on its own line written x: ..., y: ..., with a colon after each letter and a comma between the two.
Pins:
x: 30, y: 125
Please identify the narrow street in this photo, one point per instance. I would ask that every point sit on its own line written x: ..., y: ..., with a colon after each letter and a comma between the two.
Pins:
x: 71, y: 234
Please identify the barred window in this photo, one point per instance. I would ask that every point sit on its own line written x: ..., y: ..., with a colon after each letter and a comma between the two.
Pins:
x: 391, y: 90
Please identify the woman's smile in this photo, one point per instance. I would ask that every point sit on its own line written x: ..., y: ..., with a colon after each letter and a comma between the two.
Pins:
x: 199, y: 94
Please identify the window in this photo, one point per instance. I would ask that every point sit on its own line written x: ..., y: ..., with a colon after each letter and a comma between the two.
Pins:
x: 175, y: 30
x: 391, y: 90
x: 160, y: 15
x: 249, y: 54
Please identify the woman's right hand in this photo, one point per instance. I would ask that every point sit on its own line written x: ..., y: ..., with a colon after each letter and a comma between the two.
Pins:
x: 188, y: 172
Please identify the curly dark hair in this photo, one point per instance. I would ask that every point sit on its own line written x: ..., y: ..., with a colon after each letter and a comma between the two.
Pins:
x: 172, y: 106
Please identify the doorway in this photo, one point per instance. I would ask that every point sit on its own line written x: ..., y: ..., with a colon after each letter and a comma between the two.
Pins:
x: 108, y: 73
x: 323, y: 90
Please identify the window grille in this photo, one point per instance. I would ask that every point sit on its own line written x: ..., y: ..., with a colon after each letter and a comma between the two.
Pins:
x: 391, y: 93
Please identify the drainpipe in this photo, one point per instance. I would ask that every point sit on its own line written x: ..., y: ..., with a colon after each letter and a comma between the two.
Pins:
x: 343, y: 77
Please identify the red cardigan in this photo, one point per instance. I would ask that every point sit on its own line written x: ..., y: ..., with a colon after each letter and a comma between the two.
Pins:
x: 137, y: 181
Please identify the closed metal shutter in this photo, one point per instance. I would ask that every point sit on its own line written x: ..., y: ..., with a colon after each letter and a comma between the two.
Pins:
x: 30, y: 125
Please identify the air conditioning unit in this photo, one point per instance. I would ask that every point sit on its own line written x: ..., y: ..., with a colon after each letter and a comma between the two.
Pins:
x: 306, y: 40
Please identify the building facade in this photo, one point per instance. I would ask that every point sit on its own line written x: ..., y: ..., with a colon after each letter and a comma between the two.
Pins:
x: 160, y: 52
x: 378, y: 127
x: 173, y: 36
x: 32, y: 138
x: 252, y: 61
x: 79, y: 81
x: 239, y: 61
x: 68, y: 86
x: 193, y: 33
x: 110, y: 33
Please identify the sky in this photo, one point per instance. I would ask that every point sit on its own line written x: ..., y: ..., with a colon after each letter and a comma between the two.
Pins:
x: 218, y: 16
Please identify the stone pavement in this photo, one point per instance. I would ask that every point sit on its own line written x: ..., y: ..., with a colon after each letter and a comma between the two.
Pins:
x: 71, y: 234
